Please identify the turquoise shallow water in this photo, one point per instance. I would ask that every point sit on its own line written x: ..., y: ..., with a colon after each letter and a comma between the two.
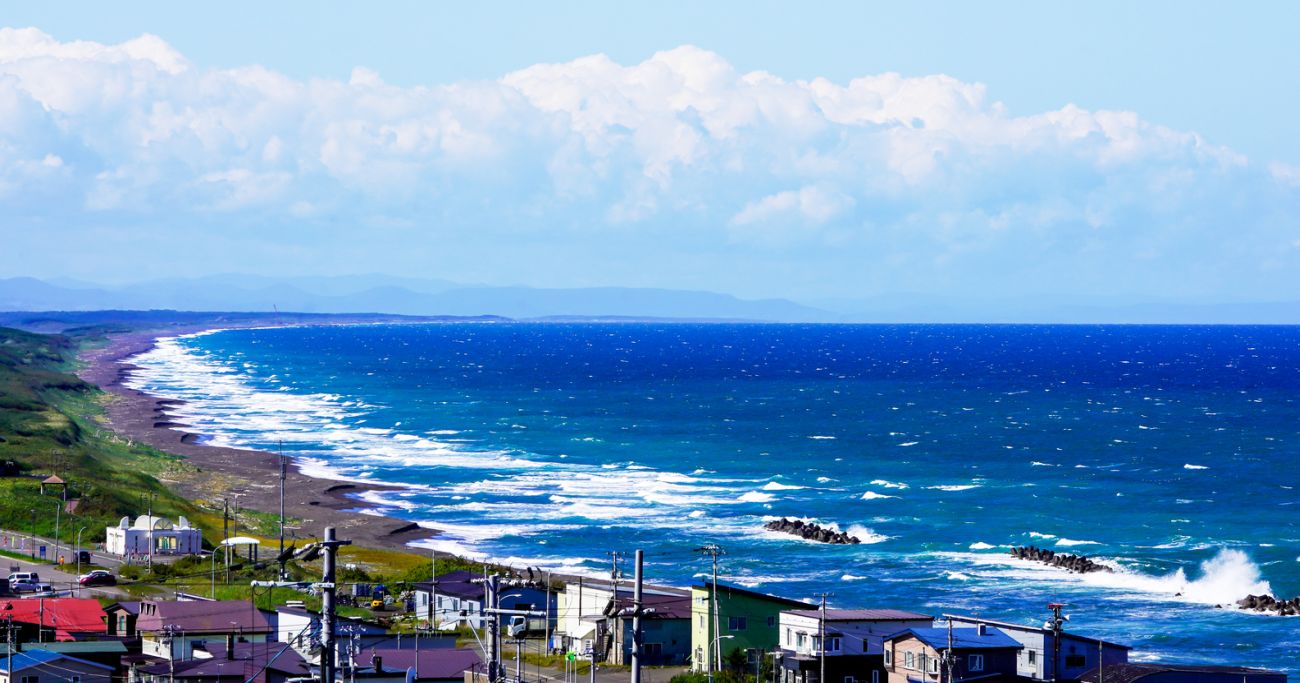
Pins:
x: 1168, y: 452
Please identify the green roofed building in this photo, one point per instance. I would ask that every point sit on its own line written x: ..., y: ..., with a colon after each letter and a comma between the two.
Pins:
x: 747, y: 623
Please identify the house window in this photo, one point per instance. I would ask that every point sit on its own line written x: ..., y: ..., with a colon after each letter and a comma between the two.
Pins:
x: 975, y: 663
x: 1074, y: 661
x: 803, y: 640
x: 1033, y: 656
x: 934, y: 665
x: 889, y: 659
x: 850, y: 679
x: 771, y: 622
x: 875, y: 676
x: 31, y: 679
x: 654, y: 650
x: 909, y: 660
x: 735, y: 623
x: 75, y: 679
x: 833, y: 644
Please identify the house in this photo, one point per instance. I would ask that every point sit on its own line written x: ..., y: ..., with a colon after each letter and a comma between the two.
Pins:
x: 746, y: 621
x: 58, y: 619
x: 165, y: 537
x: 916, y: 655
x: 107, y: 653
x: 40, y: 666
x: 389, y: 665
x: 581, y: 623
x: 460, y: 600
x: 301, y: 629
x: 854, y: 642
x: 1037, y: 660
x: 665, y: 628
x: 232, y: 661
x: 1153, y: 672
x: 120, y: 618
x: 173, y: 630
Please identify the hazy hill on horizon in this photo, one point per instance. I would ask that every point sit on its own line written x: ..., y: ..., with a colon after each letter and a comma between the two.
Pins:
x: 383, y: 294
x: 393, y: 295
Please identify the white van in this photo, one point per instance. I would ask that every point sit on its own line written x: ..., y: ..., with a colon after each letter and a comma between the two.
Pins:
x: 25, y: 577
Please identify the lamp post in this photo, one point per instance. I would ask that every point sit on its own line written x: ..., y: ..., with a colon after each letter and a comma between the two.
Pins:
x: 713, y: 645
x: 58, y: 515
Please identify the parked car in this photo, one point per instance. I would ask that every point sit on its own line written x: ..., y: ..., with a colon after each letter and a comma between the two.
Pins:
x: 99, y: 577
x: 24, y: 576
x: 25, y: 586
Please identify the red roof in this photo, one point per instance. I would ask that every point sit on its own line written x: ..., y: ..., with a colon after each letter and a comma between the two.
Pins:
x: 65, y: 615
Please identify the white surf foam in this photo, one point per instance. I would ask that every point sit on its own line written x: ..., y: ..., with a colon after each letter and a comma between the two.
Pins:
x: 888, y: 484
x: 1195, y: 467
x: 872, y: 495
x: 954, y: 487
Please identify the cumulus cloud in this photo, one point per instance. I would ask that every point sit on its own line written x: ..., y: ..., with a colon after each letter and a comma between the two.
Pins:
x: 679, y: 143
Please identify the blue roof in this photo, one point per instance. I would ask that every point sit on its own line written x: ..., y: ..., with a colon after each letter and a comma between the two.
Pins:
x: 29, y: 658
x: 962, y: 638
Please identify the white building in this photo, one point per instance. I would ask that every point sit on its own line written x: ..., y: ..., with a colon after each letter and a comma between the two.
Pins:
x: 165, y: 537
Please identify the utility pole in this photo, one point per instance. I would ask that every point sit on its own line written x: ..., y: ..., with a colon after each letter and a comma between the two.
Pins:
x: 284, y: 471
x: 949, y: 659
x: 1056, y: 622
x: 9, y: 640
x: 548, y: 613
x: 433, y: 591
x: 821, y: 639
x: 329, y: 590
x: 494, y: 632
x: 636, y: 617
x: 713, y: 550
x: 225, y: 534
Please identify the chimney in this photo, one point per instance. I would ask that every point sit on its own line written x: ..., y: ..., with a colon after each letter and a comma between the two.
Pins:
x: 981, y: 630
x: 230, y: 646
x: 378, y: 663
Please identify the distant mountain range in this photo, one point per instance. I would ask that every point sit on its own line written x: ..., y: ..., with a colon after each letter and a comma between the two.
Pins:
x: 383, y: 294
x: 403, y: 296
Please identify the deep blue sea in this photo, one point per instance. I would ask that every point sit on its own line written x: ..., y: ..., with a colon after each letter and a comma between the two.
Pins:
x: 1172, y: 453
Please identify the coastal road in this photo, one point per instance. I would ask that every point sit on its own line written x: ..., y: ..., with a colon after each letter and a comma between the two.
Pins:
x: 60, y: 580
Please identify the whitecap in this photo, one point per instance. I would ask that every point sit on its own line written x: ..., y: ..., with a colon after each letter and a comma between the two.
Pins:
x: 981, y: 545
x: 822, y: 437
x: 872, y: 495
x: 1071, y: 542
x: 1195, y: 467
x: 775, y: 486
x: 888, y: 484
x: 954, y: 487
x: 756, y: 497
x: 906, y: 444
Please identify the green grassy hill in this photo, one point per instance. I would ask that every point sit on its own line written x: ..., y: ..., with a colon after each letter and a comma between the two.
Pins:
x: 50, y: 424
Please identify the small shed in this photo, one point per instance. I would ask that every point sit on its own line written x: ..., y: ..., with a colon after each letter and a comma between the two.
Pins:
x: 52, y: 481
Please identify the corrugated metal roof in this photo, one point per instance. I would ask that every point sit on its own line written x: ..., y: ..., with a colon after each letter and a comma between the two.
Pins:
x: 962, y: 638
x: 1133, y: 671
x: 29, y: 658
x: 861, y: 614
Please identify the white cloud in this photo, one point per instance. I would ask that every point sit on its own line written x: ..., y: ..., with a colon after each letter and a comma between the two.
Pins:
x: 678, y: 144
x: 812, y: 205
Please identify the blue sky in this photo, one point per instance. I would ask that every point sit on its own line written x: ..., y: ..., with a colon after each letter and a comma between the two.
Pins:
x: 1099, y: 151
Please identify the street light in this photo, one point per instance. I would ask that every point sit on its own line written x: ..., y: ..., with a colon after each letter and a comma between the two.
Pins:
x: 713, y: 645
x: 58, y: 514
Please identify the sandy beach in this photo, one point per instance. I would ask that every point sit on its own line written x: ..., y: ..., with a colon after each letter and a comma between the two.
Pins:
x: 249, y: 475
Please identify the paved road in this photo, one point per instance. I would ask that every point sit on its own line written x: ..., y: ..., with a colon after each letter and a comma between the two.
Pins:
x: 64, y: 579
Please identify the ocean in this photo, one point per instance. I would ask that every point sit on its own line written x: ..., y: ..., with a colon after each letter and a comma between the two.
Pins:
x: 1170, y: 453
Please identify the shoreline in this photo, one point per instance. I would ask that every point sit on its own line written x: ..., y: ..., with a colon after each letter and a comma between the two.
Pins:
x: 224, y: 471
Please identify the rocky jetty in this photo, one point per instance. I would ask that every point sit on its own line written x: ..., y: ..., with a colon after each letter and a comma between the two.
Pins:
x: 1074, y: 563
x: 1268, y: 603
x: 812, y: 532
